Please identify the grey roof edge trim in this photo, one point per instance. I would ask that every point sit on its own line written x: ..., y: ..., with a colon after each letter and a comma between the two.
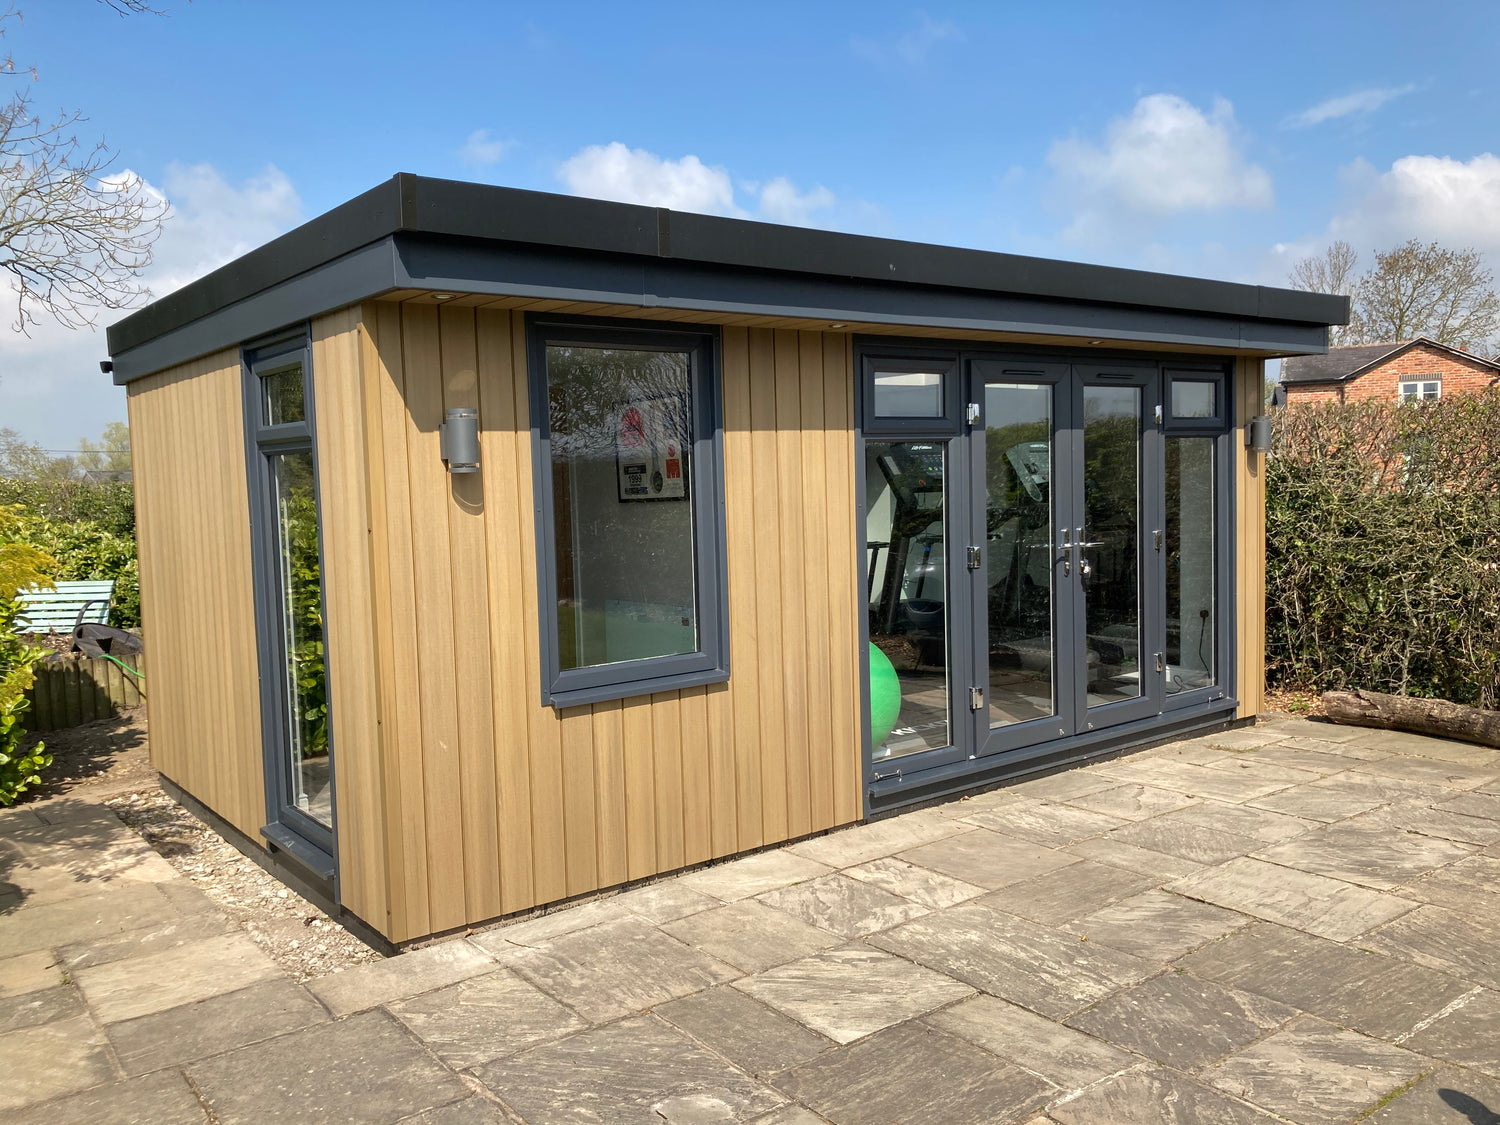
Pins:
x: 487, y: 212
x: 384, y: 266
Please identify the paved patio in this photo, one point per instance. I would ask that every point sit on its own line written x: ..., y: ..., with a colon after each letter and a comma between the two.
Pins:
x: 1296, y: 922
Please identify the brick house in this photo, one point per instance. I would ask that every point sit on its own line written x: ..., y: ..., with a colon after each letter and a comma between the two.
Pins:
x: 1400, y: 371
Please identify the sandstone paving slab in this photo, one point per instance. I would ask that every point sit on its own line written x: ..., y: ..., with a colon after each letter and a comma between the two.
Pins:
x: 1081, y: 889
x: 1445, y: 1097
x: 750, y: 1035
x: 864, y: 842
x: 915, y: 1073
x: 1048, y: 971
x: 210, y: 1027
x: 477, y: 1110
x: 1326, y: 803
x: 30, y: 972
x: 988, y: 859
x: 754, y: 875
x: 1066, y: 1058
x: 1063, y: 786
x: 1369, y: 854
x: 666, y: 901
x: 1196, y: 751
x: 612, y: 970
x: 1468, y: 1034
x: 1254, y: 766
x: 170, y: 933
x: 396, y: 978
x: 1315, y: 1073
x: 1132, y: 802
x: 366, y: 1068
x: 138, y: 986
x: 533, y: 931
x: 1041, y: 822
x: 55, y: 872
x: 1449, y: 775
x: 930, y: 888
x: 1351, y: 747
x: 1321, y: 761
x: 1471, y: 885
x: 1241, y: 738
x: 1181, y: 1021
x: 484, y: 1017
x: 1315, y: 903
x: 1258, y: 824
x: 1117, y: 853
x: 1486, y: 805
x: 160, y: 1099
x: 849, y: 993
x: 1155, y: 1097
x: 844, y: 906
x: 1186, y: 839
x: 751, y: 935
x: 791, y: 1114
x: 50, y: 1060
x: 1357, y: 784
x: 1319, y: 729
x: 640, y: 1070
x: 1447, y: 940
x: 1348, y: 986
x: 31, y: 1008
x: 1440, y: 822
x: 1157, y: 925
x: 1221, y: 784
x: 87, y: 918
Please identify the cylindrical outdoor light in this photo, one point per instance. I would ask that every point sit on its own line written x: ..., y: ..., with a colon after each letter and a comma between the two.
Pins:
x: 1258, y: 434
x: 458, y: 439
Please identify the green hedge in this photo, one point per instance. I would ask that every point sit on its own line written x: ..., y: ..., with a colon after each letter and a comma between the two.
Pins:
x: 1383, y: 548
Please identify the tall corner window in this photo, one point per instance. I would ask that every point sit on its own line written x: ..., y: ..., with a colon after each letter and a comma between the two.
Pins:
x: 1421, y: 390
x: 629, y: 527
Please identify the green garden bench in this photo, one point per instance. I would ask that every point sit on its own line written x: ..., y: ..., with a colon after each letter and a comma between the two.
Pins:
x: 64, y: 608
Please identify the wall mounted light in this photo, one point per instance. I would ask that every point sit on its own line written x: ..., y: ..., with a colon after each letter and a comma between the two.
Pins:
x: 1258, y: 434
x: 458, y: 439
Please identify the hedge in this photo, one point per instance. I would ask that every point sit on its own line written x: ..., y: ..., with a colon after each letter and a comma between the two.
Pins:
x: 1383, y: 548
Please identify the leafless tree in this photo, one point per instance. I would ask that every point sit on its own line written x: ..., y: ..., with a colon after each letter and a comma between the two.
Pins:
x: 1412, y: 290
x: 1416, y: 290
x: 73, y: 236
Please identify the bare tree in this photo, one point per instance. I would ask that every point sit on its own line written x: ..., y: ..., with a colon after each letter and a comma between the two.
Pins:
x: 73, y: 237
x: 1416, y: 290
x: 1329, y: 272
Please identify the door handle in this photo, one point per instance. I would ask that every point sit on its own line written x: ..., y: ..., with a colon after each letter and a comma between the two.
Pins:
x: 1063, y: 554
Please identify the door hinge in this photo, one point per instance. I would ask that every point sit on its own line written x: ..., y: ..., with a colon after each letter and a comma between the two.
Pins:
x: 976, y: 558
x: 976, y: 698
x: 973, y: 413
x: 1156, y: 539
x: 1161, y: 661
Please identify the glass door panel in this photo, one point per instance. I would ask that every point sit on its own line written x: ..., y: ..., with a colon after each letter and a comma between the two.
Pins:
x: 1018, y: 552
x: 1109, y: 544
x: 1190, y: 564
x: 906, y: 535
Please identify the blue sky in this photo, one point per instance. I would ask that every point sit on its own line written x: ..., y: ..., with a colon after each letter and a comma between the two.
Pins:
x: 1216, y: 140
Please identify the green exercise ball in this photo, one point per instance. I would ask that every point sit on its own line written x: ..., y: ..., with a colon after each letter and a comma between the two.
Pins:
x: 885, y: 696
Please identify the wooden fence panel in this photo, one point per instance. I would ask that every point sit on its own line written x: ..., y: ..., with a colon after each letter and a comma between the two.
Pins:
x: 78, y: 689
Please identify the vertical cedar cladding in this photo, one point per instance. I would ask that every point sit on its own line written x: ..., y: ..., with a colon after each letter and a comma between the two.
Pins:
x: 493, y: 802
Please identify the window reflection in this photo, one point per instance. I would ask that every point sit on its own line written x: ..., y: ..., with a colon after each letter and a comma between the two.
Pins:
x: 1189, y: 550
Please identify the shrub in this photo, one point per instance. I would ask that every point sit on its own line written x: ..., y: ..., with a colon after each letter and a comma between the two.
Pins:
x: 1383, y: 548
x: 20, y: 565
x: 85, y: 549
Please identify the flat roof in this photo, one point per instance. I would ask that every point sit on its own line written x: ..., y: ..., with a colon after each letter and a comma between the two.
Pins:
x: 417, y: 216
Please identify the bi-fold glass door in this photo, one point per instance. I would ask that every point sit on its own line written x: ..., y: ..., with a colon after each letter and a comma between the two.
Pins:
x: 1026, y: 580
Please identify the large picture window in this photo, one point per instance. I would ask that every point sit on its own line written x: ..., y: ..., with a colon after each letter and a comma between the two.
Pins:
x: 629, y: 512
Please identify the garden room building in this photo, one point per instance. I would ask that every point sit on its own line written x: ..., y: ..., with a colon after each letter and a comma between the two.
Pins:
x: 499, y: 548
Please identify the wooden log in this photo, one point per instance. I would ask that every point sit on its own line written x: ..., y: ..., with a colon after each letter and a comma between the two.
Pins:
x: 1435, y: 717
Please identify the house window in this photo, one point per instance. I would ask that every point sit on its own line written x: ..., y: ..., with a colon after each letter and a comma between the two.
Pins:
x: 629, y: 509
x: 1421, y: 390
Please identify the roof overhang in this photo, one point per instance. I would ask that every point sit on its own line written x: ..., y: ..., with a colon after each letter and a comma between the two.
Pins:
x: 413, y: 233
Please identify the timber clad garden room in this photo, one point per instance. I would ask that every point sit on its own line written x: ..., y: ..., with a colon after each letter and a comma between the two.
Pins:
x: 499, y: 548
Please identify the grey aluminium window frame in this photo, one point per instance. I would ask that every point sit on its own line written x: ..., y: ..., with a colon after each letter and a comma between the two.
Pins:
x: 710, y: 663
x: 311, y: 844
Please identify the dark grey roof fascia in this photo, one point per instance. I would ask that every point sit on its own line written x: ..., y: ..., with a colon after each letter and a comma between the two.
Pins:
x: 416, y: 204
x: 407, y: 261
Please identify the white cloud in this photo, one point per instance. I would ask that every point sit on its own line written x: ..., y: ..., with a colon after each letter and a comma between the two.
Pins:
x: 1434, y: 198
x: 1167, y: 157
x: 633, y: 175
x: 1360, y: 102
x: 483, y: 149
x: 780, y: 202
x: 50, y: 385
x: 911, y: 48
